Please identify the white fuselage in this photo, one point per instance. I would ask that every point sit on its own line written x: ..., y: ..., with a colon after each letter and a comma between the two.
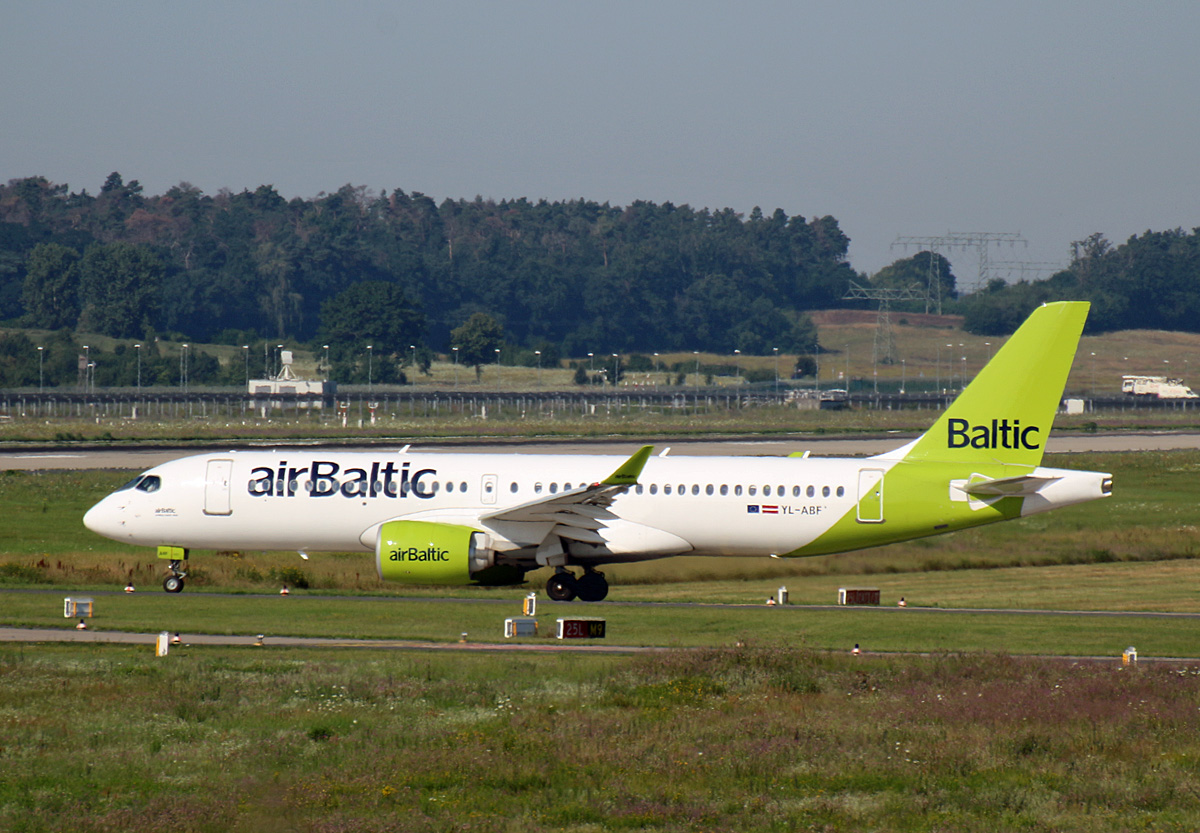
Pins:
x: 334, y: 501
x: 329, y: 500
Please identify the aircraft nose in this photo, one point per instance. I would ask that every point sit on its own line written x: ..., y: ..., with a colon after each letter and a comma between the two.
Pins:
x: 104, y: 519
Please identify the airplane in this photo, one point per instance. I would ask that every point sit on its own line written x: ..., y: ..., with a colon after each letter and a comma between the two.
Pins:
x: 467, y: 518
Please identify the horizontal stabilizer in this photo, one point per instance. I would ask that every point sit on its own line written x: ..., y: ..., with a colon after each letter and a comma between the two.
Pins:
x: 1008, y: 486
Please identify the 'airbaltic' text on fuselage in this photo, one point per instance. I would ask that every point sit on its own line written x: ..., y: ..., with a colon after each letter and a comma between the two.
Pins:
x: 380, y: 481
x: 1000, y: 434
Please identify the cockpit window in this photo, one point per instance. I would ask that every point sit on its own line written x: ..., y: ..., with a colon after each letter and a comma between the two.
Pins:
x: 132, y: 483
x: 149, y: 483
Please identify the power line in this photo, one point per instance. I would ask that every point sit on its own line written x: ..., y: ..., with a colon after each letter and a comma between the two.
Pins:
x: 952, y: 241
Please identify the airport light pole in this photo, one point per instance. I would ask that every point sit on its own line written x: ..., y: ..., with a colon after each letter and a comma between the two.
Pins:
x: 538, y: 353
x: 246, y: 364
x: 775, y: 350
x: 183, y: 348
x: 696, y: 353
x: 326, y: 347
x: 455, y: 349
x: 938, y: 373
x: 138, y: 347
x: 737, y: 364
x: 87, y: 362
x: 616, y: 369
x: 41, y: 373
x: 370, y: 367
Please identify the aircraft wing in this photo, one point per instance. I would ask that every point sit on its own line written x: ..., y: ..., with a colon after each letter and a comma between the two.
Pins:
x: 579, y: 512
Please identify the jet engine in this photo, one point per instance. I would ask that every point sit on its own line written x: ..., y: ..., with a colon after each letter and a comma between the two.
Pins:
x: 421, y: 552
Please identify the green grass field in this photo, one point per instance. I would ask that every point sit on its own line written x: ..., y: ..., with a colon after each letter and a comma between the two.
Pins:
x: 1107, y: 551
x: 754, y: 738
x: 753, y: 718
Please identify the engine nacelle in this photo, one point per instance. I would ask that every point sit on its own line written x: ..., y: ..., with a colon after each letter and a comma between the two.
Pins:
x: 421, y: 552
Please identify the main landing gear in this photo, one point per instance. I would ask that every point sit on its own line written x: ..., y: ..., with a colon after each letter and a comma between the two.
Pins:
x: 563, y: 586
x: 173, y: 583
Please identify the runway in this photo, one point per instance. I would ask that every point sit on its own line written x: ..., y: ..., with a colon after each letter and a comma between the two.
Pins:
x: 35, y: 635
x: 149, y: 640
x: 139, y: 459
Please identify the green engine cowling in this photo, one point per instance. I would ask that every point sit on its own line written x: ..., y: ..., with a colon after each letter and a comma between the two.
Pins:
x: 421, y: 552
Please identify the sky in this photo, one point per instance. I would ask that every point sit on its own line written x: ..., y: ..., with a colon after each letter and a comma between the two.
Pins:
x: 1054, y: 120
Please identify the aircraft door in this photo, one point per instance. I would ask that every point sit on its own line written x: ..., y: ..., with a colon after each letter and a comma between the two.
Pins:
x: 216, y: 488
x: 488, y: 488
x: 870, y: 496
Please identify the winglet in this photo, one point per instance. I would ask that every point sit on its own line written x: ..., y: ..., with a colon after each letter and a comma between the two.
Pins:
x: 627, y: 474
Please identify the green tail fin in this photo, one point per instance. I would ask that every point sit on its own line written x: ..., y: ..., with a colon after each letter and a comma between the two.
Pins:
x: 1005, y: 414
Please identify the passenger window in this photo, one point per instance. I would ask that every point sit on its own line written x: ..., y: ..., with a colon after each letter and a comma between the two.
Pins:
x: 752, y: 490
x: 841, y: 491
x: 824, y: 491
x: 462, y: 487
x: 654, y: 488
x: 724, y: 490
x: 695, y: 488
x: 779, y: 490
x: 553, y: 488
x: 150, y: 483
x: 737, y: 490
x: 637, y: 489
x: 708, y: 490
x: 766, y: 491
x: 795, y: 491
x: 811, y: 492
x: 667, y: 489
x: 512, y: 487
x: 537, y: 488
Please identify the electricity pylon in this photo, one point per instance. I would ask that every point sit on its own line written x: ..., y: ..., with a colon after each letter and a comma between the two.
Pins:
x: 885, y: 339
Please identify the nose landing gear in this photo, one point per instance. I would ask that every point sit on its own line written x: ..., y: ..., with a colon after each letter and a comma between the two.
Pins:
x: 173, y: 583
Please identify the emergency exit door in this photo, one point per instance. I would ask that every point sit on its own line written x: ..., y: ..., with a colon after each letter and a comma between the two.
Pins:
x: 870, y: 496
x: 216, y: 488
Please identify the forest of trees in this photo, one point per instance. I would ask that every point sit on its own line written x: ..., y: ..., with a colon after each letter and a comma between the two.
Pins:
x: 1150, y: 282
x: 402, y: 272
x: 577, y: 275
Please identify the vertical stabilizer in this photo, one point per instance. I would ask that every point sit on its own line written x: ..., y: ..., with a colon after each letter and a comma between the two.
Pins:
x: 1005, y: 414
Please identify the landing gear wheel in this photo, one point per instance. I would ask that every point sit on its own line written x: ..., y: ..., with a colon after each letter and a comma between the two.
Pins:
x: 561, y: 587
x: 173, y: 584
x: 592, y: 586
